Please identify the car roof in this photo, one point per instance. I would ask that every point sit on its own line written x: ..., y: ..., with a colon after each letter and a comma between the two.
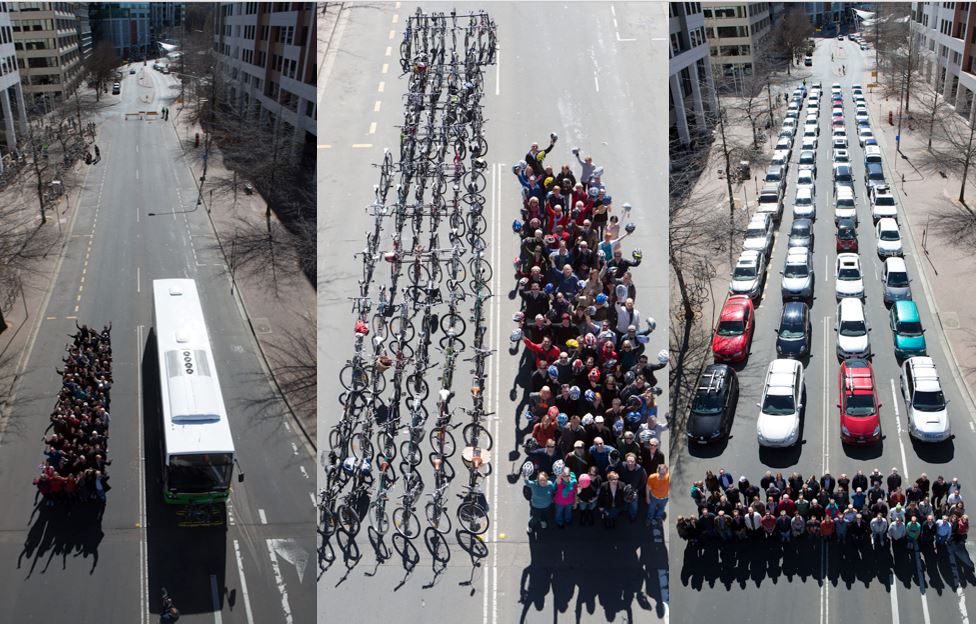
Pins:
x: 873, y: 167
x: 848, y: 259
x: 748, y: 256
x: 857, y: 374
x: 802, y: 223
x: 906, y: 310
x: 888, y: 223
x: 760, y: 218
x: 780, y: 377
x: 794, y: 311
x: 846, y: 191
x: 924, y: 373
x: 735, y: 308
x: 713, y: 377
x: 852, y: 308
x: 805, y: 191
x: 798, y: 255
x: 895, y: 264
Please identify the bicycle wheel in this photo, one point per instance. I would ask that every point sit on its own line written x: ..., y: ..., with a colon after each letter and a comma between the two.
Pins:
x: 438, y: 517
x: 477, y: 225
x: 378, y: 325
x: 482, y: 270
x: 402, y: 330
x: 361, y: 446
x: 412, y: 454
x: 453, y: 325
x: 442, y: 442
x: 475, y: 182
x: 349, y: 520
x: 379, y: 519
x: 473, y: 518
x: 474, y: 434
x: 406, y: 523
x: 352, y: 377
x: 417, y: 274
x: 415, y: 295
x: 455, y: 343
x: 417, y: 387
x: 387, y: 445
x: 328, y: 523
x: 354, y: 402
x: 338, y: 441
x: 375, y: 378
x: 457, y: 223
x: 479, y: 146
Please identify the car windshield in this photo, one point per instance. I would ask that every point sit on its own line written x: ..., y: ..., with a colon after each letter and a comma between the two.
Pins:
x: 929, y: 401
x: 851, y: 328
x: 800, y: 231
x: 875, y: 175
x: 773, y: 177
x: 791, y: 330
x: 884, y: 200
x: 898, y: 279
x: 803, y: 200
x: 795, y: 270
x: 849, y: 273
x: 846, y: 234
x: 845, y: 202
x: 746, y: 272
x: 756, y: 233
x: 842, y: 176
x: 842, y: 158
x: 710, y: 403
x: 889, y: 235
x: 730, y: 328
x: 778, y: 404
x: 859, y: 405
x: 909, y: 328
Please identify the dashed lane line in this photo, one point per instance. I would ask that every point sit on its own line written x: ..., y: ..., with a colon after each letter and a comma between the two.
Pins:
x: 244, y: 583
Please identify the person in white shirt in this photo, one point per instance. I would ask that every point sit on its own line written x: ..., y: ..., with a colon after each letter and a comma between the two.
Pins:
x: 626, y: 315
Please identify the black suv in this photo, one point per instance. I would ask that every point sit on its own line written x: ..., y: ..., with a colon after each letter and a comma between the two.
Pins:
x: 794, y: 334
x: 711, y: 416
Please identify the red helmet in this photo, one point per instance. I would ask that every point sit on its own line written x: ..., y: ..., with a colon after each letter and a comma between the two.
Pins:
x: 594, y: 375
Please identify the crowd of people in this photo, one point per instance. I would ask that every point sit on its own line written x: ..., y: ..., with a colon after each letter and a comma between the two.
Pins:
x: 876, y: 509
x: 594, y: 442
x: 76, y: 442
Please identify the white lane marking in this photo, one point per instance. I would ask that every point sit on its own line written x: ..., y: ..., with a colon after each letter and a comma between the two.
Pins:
x: 262, y: 517
x: 620, y: 38
x: 312, y: 498
x: 893, y: 600
x: 596, y: 84
x: 388, y: 51
x: 138, y: 286
x: 137, y: 174
x: 825, y: 383
x: 373, y: 128
x: 304, y: 473
x: 921, y: 580
x: 141, y: 512
x: 376, y: 106
x: 295, y: 448
x: 381, y: 86
x: 895, y: 409
x: 244, y: 583
x: 279, y: 581
x: 215, y: 596
x: 613, y: 12
x: 827, y: 269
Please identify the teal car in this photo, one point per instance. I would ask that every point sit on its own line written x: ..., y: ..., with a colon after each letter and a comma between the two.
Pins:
x: 907, y: 331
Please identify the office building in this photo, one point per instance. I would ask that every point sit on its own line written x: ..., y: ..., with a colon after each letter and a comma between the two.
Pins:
x: 125, y: 25
x: 11, y: 93
x: 947, y: 50
x: 736, y: 32
x: 266, y: 54
x: 83, y: 26
x: 690, y: 85
x: 48, y: 52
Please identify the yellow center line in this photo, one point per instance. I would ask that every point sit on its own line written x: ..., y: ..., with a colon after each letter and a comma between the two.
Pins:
x: 361, y: 145
x: 373, y: 127
x: 380, y: 87
x: 392, y: 34
x: 385, y: 68
x: 394, y: 19
x: 389, y: 51
x: 376, y: 106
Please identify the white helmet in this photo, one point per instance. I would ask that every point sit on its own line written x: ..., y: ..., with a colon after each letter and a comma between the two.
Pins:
x: 663, y: 356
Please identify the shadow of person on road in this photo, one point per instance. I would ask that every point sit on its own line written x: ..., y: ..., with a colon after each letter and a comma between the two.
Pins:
x: 65, y: 529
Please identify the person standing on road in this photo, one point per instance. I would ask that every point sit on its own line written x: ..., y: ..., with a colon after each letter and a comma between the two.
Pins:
x: 939, y: 488
x: 587, y: 493
x: 913, y: 531
x: 564, y: 497
x: 943, y: 531
x: 541, y: 501
x: 657, y: 493
x: 611, y: 501
x: 634, y: 476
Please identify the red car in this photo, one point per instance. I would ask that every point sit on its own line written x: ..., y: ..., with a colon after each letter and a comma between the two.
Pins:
x: 846, y: 239
x: 859, y: 403
x: 734, y: 333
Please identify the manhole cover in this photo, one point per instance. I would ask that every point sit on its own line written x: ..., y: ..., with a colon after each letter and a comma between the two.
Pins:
x: 950, y: 320
x: 261, y: 325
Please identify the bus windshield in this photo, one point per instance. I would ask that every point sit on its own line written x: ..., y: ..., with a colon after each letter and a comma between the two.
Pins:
x: 205, y: 472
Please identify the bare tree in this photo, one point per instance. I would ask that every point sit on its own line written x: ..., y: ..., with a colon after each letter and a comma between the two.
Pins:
x: 952, y: 152
x: 102, y: 66
x: 790, y: 35
x: 293, y: 362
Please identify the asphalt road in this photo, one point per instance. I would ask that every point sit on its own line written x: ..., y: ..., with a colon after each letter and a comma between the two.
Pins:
x: 69, y: 565
x: 800, y: 587
x: 586, y: 72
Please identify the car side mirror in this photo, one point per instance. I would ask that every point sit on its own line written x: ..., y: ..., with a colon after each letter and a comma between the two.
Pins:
x: 838, y: 405
x: 758, y: 405
x: 776, y: 330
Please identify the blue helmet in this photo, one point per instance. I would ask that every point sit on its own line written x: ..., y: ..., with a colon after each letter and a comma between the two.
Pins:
x: 548, y: 289
x: 528, y: 415
x: 553, y: 372
x: 601, y: 299
x: 634, y: 416
x: 562, y: 419
x: 589, y: 395
x: 574, y: 393
x: 618, y: 426
x: 517, y: 226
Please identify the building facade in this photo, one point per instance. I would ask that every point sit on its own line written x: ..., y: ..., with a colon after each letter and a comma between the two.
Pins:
x: 735, y: 33
x: 11, y: 94
x: 125, y: 25
x: 165, y: 22
x: 266, y: 53
x: 827, y: 17
x: 947, y: 50
x: 84, y: 28
x: 47, y: 48
x: 690, y: 82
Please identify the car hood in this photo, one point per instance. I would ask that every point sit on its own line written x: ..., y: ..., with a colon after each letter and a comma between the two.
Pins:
x: 930, y: 422
x: 890, y: 245
x: 703, y: 424
x: 846, y: 287
x: 792, y: 347
x: 853, y: 344
x: 861, y: 426
x: 795, y: 283
x: 776, y: 427
x: 910, y: 343
x: 742, y: 286
x: 758, y: 243
x: 728, y: 345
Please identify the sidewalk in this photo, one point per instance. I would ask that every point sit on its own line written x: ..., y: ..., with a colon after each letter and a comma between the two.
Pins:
x: 949, y: 269
x: 281, y: 319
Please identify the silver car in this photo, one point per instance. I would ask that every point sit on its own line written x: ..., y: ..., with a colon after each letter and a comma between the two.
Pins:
x: 797, y: 281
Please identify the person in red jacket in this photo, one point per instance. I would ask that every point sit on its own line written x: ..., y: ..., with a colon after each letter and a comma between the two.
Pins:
x: 544, y: 350
x: 786, y: 504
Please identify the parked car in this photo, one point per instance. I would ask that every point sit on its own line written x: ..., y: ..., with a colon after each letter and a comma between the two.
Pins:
x: 804, y: 204
x: 734, y: 331
x: 808, y: 161
x: 848, y: 276
x: 797, y: 281
x: 714, y: 404
x: 888, y: 240
x: 794, y: 333
x: 858, y: 403
x: 883, y: 203
x: 846, y: 237
x: 771, y: 201
x: 845, y: 205
x: 759, y: 233
x: 748, y: 274
x: 895, y: 281
x: 852, y: 330
x: 801, y: 234
x: 778, y: 424
x: 926, y: 409
x: 874, y: 176
x: 907, y: 331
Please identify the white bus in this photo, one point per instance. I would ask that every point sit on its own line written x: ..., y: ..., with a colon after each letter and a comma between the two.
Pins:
x: 197, y: 449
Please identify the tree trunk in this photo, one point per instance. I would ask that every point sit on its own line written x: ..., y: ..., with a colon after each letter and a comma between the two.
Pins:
x: 966, y: 163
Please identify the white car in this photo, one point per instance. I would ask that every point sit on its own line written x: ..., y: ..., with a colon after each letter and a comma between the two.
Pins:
x: 759, y: 233
x: 813, y: 102
x: 883, y: 203
x: 845, y: 204
x: 840, y: 157
x: 839, y: 142
x: 852, y: 330
x: 747, y: 276
x: 848, y: 276
x: 779, y: 422
x: 809, y: 142
x: 811, y: 119
x: 888, y: 240
x: 835, y: 87
x: 797, y: 279
x: 804, y: 205
x: 784, y: 145
x: 861, y: 116
x: 805, y: 179
x: 864, y: 134
x: 837, y: 110
x: 808, y: 161
x: 925, y: 403
x: 873, y: 154
x: 790, y: 124
x: 859, y: 99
